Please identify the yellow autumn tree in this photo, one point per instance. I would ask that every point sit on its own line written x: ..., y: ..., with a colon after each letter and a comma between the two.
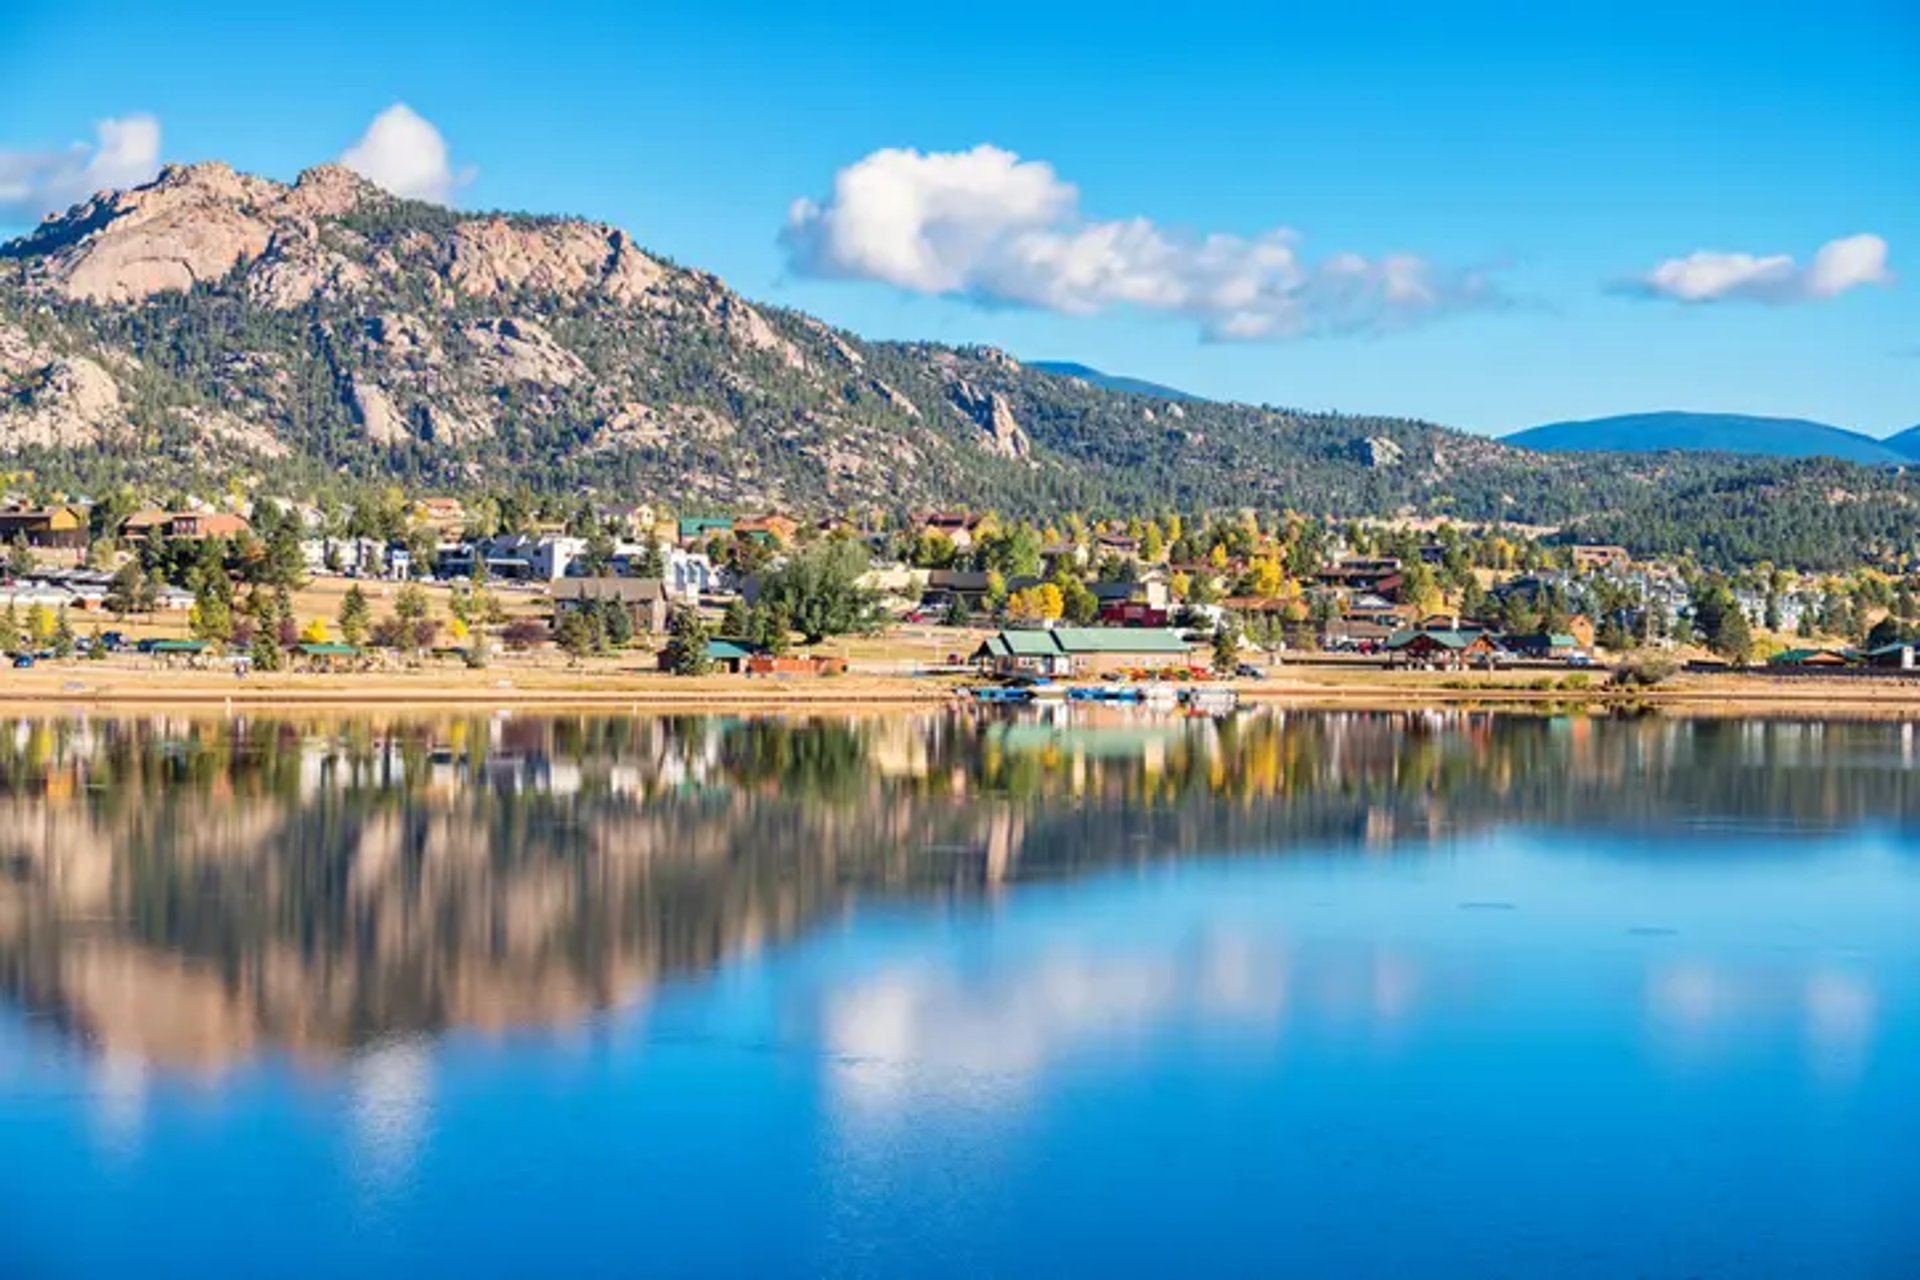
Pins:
x: 1265, y: 577
x: 1042, y: 603
x: 40, y: 625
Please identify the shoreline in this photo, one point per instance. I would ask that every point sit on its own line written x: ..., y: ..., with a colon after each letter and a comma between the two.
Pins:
x: 614, y: 691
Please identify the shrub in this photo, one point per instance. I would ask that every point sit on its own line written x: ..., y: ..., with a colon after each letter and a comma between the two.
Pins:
x: 1643, y: 671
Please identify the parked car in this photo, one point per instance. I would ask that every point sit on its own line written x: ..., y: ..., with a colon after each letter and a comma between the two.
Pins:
x: 22, y: 660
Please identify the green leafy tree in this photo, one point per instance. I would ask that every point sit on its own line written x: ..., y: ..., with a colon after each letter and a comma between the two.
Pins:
x: 211, y: 617
x: 1078, y: 604
x: 820, y: 592
x: 410, y: 604
x: 130, y: 591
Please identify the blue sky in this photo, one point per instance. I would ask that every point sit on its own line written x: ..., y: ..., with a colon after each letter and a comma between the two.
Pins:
x: 1476, y: 198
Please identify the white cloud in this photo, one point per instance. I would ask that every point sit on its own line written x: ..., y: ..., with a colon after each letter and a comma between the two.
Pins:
x: 1711, y: 276
x: 125, y: 153
x: 403, y: 152
x: 988, y: 225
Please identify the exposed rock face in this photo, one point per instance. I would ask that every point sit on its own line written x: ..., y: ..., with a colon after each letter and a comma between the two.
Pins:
x: 886, y: 392
x: 495, y: 256
x: 404, y: 338
x: 991, y: 412
x: 196, y: 223
x: 332, y: 321
x: 67, y: 403
x: 327, y: 191
x: 296, y: 265
x: 227, y: 428
x: 522, y: 351
x: 193, y: 222
x: 452, y: 425
x: 1380, y: 451
x: 376, y: 412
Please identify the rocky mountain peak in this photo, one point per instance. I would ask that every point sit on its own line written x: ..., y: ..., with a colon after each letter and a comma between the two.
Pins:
x: 329, y: 190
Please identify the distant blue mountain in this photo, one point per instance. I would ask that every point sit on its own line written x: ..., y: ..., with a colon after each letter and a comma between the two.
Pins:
x: 1717, y: 433
x: 1111, y: 381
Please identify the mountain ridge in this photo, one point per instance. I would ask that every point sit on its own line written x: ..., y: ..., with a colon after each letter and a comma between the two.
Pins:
x: 1112, y: 381
x: 1687, y: 431
x: 222, y: 329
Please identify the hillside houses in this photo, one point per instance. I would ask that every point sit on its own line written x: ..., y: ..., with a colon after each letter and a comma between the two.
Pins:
x: 48, y: 527
x: 143, y: 526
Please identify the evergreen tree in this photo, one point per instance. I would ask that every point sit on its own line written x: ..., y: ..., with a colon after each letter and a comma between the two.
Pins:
x: 1734, y: 639
x: 266, y: 652
x: 355, y: 617
x: 772, y: 630
x: 686, y: 647
x: 1226, y: 648
x: 616, y: 624
x: 652, y: 564
x: 576, y: 634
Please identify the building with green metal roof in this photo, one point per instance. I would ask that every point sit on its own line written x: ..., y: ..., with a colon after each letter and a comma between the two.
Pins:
x: 1442, y: 648
x: 694, y: 528
x: 1070, y: 651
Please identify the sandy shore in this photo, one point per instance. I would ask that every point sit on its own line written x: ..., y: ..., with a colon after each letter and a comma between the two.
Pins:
x: 127, y: 684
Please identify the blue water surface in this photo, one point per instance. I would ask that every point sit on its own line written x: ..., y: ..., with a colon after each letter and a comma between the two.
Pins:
x: 1518, y: 1048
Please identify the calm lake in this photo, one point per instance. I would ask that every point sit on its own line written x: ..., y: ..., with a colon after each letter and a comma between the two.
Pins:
x: 1113, y: 993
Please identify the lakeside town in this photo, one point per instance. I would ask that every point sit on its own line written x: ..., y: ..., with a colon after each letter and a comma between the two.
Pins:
x: 393, y: 582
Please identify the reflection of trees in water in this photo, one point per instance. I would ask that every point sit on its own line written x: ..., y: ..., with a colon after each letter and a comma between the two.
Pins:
x: 189, y: 890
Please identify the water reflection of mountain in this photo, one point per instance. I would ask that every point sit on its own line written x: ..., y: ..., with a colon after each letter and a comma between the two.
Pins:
x: 193, y: 892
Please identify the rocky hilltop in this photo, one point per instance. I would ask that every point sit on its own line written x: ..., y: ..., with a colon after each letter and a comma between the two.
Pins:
x: 217, y: 324
x: 216, y: 318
